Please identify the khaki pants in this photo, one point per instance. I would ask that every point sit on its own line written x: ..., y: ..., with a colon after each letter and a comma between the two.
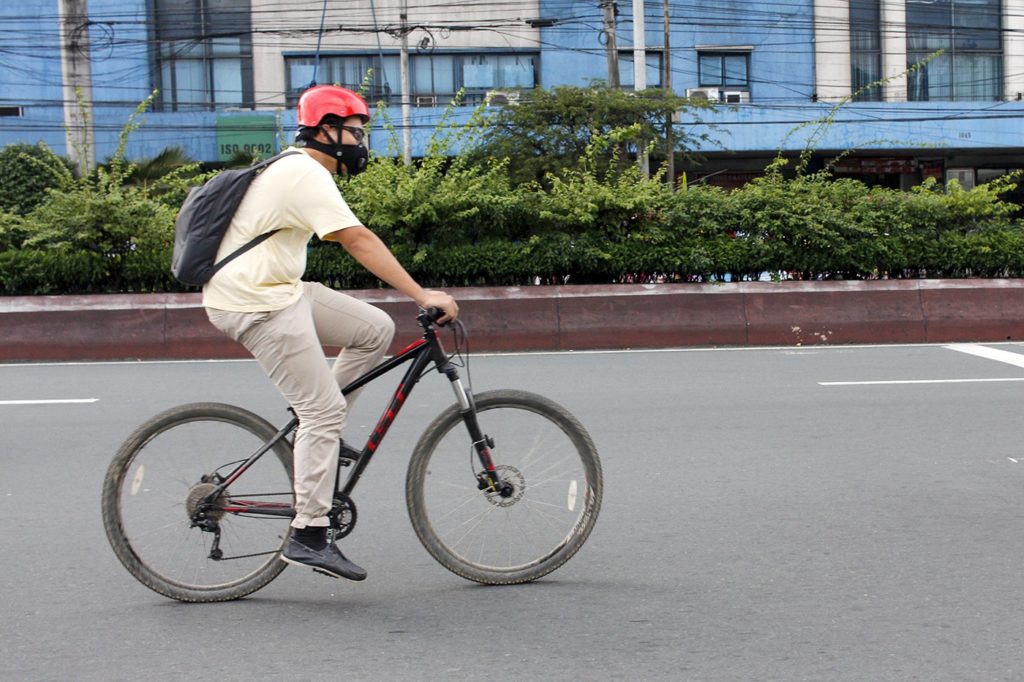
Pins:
x: 288, y: 344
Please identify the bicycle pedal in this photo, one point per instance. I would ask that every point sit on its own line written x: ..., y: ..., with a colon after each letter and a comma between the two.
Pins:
x: 329, y: 575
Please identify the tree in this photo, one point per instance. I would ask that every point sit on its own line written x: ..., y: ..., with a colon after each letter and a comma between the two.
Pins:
x: 148, y: 173
x: 549, y: 130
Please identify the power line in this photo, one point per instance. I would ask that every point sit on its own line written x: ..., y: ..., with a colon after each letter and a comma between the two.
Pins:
x: 286, y: 27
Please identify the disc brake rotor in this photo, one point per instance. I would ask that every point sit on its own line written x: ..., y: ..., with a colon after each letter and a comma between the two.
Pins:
x: 508, y: 475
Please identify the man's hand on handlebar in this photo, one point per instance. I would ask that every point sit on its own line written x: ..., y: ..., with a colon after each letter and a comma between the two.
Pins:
x: 442, y: 301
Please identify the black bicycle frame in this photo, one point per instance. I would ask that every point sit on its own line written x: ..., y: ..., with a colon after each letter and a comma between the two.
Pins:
x: 421, y: 353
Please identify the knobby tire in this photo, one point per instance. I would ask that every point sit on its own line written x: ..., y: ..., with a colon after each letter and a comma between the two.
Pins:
x: 521, y: 454
x: 115, y: 492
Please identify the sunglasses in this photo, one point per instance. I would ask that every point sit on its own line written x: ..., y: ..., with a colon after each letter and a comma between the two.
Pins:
x: 356, y: 132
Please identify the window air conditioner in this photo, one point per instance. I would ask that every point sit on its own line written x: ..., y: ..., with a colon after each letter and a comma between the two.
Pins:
x: 711, y: 94
x: 501, y: 97
x: 426, y: 100
x: 736, y: 96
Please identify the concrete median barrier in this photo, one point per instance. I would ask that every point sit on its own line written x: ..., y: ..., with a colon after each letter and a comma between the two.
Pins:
x: 169, y: 326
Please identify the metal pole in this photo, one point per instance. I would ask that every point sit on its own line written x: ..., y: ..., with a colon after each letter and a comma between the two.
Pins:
x: 406, y: 95
x: 669, y: 141
x: 639, y: 47
x: 640, y: 67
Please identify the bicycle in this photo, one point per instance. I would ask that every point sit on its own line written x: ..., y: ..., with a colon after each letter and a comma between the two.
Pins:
x: 196, y: 512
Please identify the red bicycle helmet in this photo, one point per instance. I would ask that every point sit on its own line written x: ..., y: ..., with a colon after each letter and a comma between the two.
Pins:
x: 324, y: 100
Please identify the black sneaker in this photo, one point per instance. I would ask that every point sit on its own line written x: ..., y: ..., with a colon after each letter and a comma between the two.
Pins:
x: 328, y: 560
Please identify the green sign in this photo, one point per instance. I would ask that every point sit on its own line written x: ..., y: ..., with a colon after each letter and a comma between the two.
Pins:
x: 250, y: 135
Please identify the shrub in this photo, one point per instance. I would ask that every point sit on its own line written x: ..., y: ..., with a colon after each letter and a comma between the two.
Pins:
x: 453, y: 222
x: 28, y: 172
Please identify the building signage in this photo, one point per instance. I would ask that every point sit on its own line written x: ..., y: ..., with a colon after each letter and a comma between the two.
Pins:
x: 871, y: 165
x: 253, y: 136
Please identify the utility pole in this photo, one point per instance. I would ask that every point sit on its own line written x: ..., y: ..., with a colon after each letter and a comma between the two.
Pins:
x: 640, y: 67
x: 669, y: 141
x: 403, y: 62
x: 77, y: 75
x: 611, y: 48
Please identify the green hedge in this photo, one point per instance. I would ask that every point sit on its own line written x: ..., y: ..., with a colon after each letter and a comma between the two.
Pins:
x: 455, y: 224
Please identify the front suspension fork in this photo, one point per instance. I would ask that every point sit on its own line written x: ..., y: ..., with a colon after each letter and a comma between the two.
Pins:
x: 487, y: 479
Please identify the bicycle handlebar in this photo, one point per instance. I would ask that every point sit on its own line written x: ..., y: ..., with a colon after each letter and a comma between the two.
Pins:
x: 431, y: 315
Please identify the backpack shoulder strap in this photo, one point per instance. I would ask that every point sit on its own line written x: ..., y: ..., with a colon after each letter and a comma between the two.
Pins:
x: 256, y: 170
x: 262, y: 165
x: 242, y: 249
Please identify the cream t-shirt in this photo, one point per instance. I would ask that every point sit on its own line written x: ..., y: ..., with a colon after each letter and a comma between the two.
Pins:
x: 296, y: 195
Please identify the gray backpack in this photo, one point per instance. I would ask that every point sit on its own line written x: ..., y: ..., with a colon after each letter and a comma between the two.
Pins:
x: 203, y: 220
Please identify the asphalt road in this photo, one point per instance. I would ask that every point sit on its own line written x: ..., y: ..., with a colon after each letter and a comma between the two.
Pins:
x: 760, y: 522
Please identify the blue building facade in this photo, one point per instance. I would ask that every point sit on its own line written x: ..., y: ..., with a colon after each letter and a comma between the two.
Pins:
x: 31, y: 84
x: 229, y: 71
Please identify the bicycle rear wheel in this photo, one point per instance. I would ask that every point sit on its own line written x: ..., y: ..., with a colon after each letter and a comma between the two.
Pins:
x: 162, y: 473
x: 553, y: 466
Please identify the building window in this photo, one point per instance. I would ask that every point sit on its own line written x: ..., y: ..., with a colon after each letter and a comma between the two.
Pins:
x: 203, y: 54
x: 970, y: 68
x: 654, y: 69
x: 865, y: 49
x: 433, y: 78
x: 725, y: 70
x: 349, y: 72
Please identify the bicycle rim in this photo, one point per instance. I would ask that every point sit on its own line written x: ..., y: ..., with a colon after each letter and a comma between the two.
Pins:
x: 153, y: 488
x: 557, y: 487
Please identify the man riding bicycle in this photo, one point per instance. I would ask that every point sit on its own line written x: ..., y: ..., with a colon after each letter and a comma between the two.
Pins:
x: 261, y: 301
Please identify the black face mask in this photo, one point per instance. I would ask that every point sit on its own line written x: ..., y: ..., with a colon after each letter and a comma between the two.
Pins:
x: 353, y: 156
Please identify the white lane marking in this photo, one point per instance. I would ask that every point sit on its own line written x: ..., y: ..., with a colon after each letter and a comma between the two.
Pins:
x: 915, y: 381
x: 49, y: 402
x: 1009, y: 358
x: 106, y: 363
x: 793, y: 350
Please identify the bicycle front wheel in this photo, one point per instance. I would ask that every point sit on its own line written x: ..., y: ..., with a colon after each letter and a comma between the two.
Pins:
x: 163, y: 473
x: 542, y: 520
